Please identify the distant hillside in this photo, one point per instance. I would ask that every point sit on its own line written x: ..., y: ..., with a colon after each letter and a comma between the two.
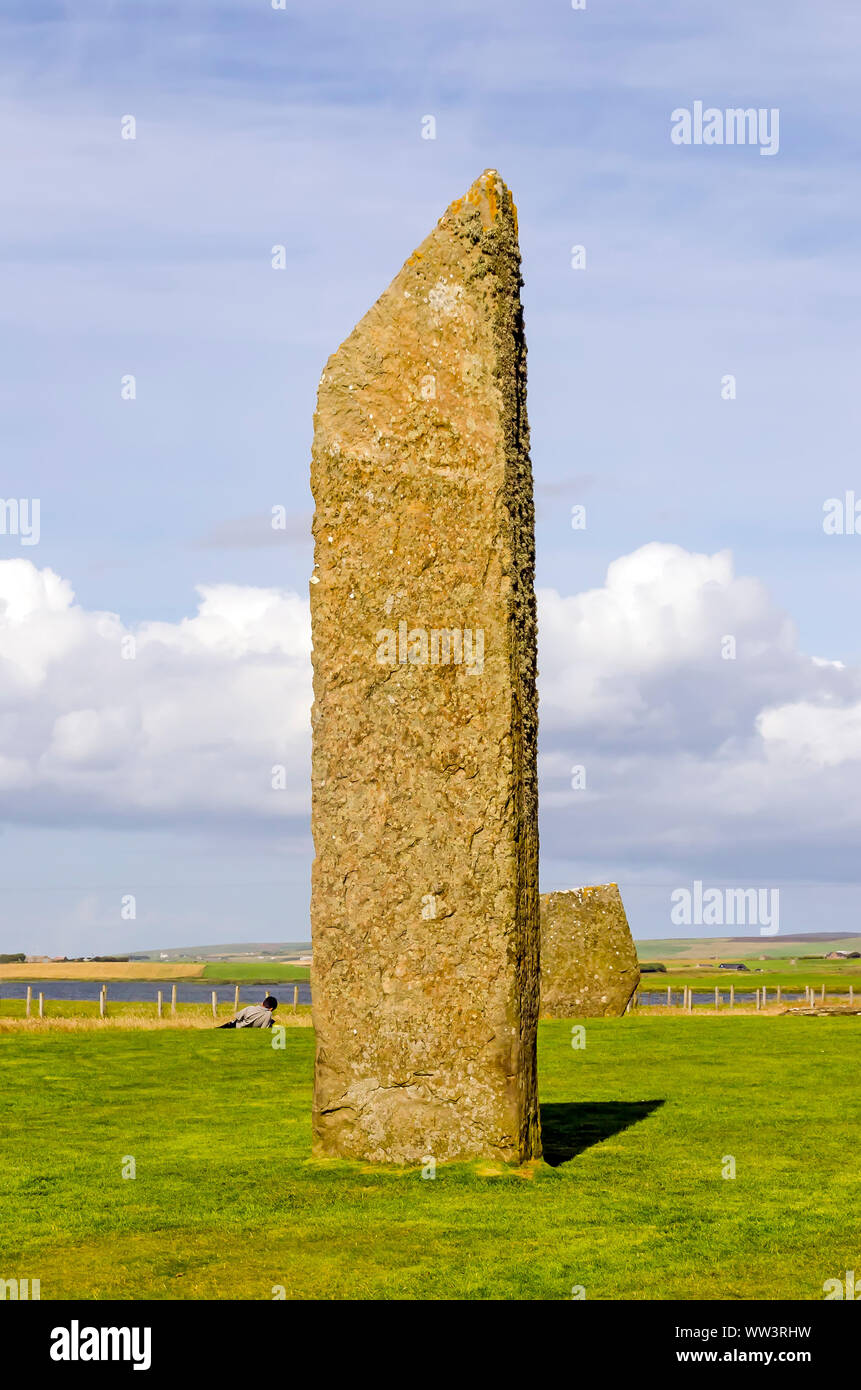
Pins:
x: 235, y: 950
x: 794, y: 944
x: 673, y: 949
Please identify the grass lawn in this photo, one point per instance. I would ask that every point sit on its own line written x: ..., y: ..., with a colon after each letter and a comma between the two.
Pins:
x: 253, y: 972
x: 227, y: 1203
x: 836, y: 975
x: 836, y: 983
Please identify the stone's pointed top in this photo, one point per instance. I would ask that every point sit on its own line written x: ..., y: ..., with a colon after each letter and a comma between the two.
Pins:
x: 490, y: 195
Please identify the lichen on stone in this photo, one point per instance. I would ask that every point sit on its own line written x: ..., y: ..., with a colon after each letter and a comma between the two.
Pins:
x: 424, y: 789
x: 589, y: 966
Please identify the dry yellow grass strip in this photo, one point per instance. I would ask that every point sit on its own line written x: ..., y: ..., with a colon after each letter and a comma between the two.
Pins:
x: 129, y: 1022
x: 103, y: 970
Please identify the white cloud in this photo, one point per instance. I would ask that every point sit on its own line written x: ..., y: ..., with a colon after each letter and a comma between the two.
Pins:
x: 690, y: 758
x: 645, y: 653
x: 189, y: 728
x: 819, y: 735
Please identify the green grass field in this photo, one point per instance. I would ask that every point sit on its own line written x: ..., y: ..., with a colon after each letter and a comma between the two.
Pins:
x: 253, y: 973
x: 836, y: 981
x: 784, y: 965
x: 681, y: 949
x: 227, y: 1203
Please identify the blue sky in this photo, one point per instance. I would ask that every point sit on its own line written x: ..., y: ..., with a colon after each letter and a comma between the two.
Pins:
x: 258, y: 127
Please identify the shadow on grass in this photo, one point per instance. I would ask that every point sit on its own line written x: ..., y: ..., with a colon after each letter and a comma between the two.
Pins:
x: 569, y: 1127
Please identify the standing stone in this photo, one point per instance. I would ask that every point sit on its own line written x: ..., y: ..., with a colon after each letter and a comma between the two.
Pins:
x: 589, y: 966
x: 424, y: 903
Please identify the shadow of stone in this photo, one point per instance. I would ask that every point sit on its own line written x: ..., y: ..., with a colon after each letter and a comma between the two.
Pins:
x: 569, y: 1127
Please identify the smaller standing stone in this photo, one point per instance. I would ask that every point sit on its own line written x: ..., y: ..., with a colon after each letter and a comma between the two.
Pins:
x: 589, y: 966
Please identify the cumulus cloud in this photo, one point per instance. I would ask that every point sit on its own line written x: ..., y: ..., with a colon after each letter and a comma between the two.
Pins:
x: 675, y: 646
x: 183, y: 720
x: 818, y: 736
x: 706, y: 735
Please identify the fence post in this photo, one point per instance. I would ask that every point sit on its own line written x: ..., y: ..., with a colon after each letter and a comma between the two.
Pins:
x: 102, y: 1002
x: 41, y: 1005
x: 732, y: 996
x: 214, y: 1004
x: 669, y: 997
x: 778, y: 994
x: 690, y: 1000
x: 160, y: 1002
x: 758, y: 1003
x: 295, y: 998
x: 851, y: 995
x: 173, y: 999
x: 29, y: 1000
x: 236, y: 1000
x: 764, y: 997
x: 822, y: 994
x: 717, y: 997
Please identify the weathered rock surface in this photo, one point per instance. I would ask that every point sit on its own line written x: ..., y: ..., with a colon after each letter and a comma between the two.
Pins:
x: 589, y: 966
x: 424, y: 886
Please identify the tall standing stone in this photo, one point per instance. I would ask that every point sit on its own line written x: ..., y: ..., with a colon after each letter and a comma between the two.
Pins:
x: 424, y: 798
x: 589, y: 966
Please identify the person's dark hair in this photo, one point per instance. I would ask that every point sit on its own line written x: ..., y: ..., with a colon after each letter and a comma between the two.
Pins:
x: 270, y: 1002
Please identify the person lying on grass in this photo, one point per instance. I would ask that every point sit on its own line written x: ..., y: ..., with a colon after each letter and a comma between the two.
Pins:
x: 254, y: 1015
